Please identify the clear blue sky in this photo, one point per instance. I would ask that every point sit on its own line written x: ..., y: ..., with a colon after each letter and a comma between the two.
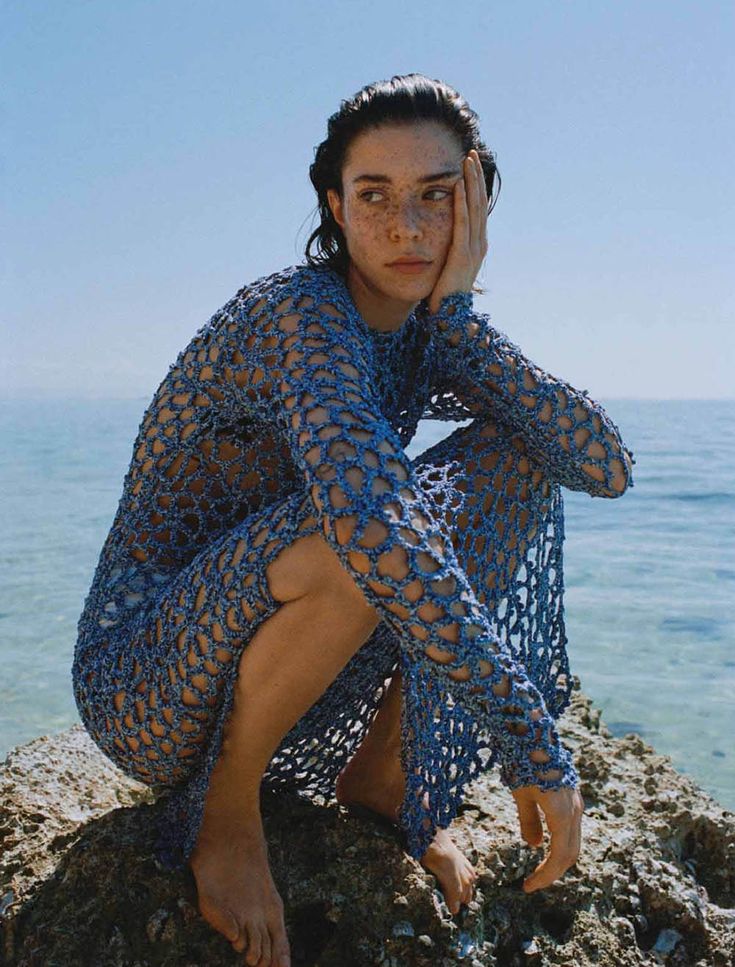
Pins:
x: 155, y: 158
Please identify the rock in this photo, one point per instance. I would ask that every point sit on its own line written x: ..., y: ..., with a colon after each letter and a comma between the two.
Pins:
x: 655, y: 882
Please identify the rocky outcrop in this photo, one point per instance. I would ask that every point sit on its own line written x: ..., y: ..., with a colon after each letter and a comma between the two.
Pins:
x: 655, y: 883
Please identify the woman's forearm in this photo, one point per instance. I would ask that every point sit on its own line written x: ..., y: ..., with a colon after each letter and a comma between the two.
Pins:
x: 566, y: 431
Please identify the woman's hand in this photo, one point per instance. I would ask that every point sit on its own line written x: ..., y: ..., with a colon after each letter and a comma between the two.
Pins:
x: 563, y: 810
x: 469, y: 235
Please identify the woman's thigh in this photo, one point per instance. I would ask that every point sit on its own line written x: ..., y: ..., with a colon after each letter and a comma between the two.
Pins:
x: 151, y: 697
x: 492, y: 497
x: 505, y: 519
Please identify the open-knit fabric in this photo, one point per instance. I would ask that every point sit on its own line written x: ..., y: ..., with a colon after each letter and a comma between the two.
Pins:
x: 285, y: 415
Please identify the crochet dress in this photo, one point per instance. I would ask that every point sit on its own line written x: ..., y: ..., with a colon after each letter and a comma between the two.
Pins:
x: 287, y: 414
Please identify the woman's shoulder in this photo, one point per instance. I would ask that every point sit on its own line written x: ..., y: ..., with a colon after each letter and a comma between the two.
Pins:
x: 272, y: 295
x: 294, y: 280
x: 302, y: 292
x: 247, y: 315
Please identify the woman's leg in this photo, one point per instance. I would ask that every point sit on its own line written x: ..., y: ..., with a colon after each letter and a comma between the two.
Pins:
x: 270, y: 611
x: 288, y: 664
x: 489, y: 476
x: 496, y: 505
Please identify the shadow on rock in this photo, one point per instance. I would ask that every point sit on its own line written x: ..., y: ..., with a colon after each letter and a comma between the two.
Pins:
x: 79, y: 884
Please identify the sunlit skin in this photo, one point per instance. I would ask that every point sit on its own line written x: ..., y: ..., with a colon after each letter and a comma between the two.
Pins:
x: 400, y: 213
x: 396, y: 212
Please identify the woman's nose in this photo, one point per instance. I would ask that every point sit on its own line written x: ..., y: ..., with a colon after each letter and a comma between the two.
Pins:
x: 406, y: 220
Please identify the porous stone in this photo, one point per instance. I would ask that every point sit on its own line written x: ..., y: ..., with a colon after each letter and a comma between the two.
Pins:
x: 654, y: 884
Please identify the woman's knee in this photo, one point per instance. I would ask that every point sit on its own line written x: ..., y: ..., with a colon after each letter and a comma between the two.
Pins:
x: 309, y: 566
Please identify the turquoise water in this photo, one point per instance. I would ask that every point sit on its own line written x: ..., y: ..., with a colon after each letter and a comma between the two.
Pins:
x: 650, y: 578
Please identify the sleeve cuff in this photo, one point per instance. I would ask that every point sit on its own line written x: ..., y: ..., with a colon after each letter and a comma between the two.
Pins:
x: 455, y: 305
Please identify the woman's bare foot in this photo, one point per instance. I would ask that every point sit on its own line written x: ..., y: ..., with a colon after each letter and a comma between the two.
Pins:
x: 237, y: 895
x: 374, y: 779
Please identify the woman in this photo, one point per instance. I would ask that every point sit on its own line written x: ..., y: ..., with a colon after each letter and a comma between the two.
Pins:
x: 282, y: 585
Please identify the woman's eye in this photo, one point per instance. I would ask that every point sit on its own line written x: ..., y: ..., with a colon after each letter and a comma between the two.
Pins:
x: 439, y: 194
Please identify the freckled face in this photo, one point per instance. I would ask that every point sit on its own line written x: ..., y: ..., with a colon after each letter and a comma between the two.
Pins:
x: 397, y: 201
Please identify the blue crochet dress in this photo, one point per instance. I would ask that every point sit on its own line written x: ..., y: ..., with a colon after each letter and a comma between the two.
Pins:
x: 287, y: 414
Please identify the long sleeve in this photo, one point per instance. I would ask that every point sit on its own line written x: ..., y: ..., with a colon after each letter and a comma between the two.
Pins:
x: 303, y: 359
x: 567, y: 433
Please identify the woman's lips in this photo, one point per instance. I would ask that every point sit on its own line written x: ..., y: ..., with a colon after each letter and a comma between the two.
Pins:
x: 409, y: 268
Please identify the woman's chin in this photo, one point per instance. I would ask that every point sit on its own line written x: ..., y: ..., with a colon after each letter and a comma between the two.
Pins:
x: 401, y: 287
x: 408, y: 288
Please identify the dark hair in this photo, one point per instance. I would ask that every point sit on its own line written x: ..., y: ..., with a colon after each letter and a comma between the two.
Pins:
x: 403, y: 99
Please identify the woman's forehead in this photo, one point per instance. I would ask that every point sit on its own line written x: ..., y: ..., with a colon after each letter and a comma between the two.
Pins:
x: 399, y: 151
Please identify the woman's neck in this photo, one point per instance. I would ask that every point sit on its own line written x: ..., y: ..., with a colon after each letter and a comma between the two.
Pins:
x: 379, y: 311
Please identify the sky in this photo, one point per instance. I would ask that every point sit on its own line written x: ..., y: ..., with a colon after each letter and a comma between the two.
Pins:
x: 155, y: 159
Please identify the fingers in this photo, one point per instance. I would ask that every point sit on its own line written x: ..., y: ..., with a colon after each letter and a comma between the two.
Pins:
x: 563, y: 810
x: 476, y: 192
x: 483, y: 208
x: 577, y: 842
x: 473, y: 202
x: 461, y: 216
x: 466, y: 252
x: 531, y: 829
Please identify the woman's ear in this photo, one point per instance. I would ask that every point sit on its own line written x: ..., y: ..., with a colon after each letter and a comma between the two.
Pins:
x: 335, y: 205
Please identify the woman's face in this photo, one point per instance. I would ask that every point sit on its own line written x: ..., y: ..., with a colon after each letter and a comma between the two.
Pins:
x: 397, y: 201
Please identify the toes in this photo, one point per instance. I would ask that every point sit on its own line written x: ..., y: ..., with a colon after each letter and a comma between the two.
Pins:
x: 281, y: 956
x: 241, y: 943
x: 230, y: 927
x: 254, y: 944
x: 281, y: 953
x: 265, y: 945
x: 222, y: 919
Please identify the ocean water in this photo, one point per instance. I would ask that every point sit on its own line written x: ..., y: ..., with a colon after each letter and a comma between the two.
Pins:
x: 649, y: 577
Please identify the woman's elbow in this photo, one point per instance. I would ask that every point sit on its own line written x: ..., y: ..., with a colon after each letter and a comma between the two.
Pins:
x: 612, y: 484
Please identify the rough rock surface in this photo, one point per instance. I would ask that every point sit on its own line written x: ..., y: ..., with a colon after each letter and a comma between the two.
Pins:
x: 655, y: 883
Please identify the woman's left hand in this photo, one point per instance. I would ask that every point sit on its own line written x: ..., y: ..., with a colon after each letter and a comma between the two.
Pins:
x: 469, y: 236
x: 562, y: 809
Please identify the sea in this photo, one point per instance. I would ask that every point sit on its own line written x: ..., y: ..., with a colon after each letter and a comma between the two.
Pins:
x: 649, y: 576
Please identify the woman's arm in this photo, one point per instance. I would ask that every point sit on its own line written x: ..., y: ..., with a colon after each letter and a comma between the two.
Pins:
x: 307, y: 357
x: 567, y: 433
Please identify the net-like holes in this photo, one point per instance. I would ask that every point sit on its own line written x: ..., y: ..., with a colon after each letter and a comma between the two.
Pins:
x: 317, y: 414
x: 257, y: 308
x: 409, y: 536
x: 418, y: 519
x: 189, y: 697
x: 426, y: 561
x: 380, y: 486
x: 597, y: 473
x: 331, y: 310
x: 349, y: 371
x: 356, y: 479
x: 463, y: 673
x: 369, y: 458
x: 325, y: 472
x: 337, y: 497
x: 373, y: 534
x: 444, y: 587
x: 394, y: 564
x: 430, y: 612
x: 340, y: 450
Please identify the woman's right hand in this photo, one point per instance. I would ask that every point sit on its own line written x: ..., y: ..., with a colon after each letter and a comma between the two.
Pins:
x: 562, y: 808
